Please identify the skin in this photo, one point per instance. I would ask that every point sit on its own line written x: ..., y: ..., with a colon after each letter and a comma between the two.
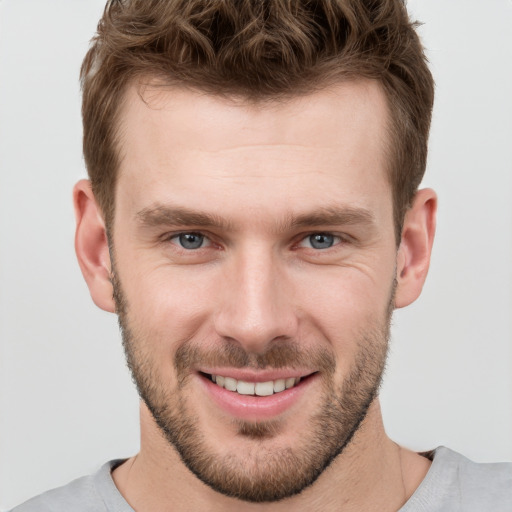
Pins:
x: 258, y: 280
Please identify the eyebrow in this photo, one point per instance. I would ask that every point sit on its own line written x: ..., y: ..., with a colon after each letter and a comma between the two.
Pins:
x: 170, y: 215
x: 333, y: 216
x: 163, y: 215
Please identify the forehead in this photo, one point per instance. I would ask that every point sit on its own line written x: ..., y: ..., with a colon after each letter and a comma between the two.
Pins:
x: 327, y: 114
x: 330, y: 144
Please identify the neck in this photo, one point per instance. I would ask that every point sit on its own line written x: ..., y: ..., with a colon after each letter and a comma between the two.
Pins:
x: 372, y: 473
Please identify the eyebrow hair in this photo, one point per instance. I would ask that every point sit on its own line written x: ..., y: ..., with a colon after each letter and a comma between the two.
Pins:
x: 161, y: 215
x: 331, y: 216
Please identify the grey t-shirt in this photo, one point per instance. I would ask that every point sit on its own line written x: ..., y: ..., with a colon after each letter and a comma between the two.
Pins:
x: 453, y: 484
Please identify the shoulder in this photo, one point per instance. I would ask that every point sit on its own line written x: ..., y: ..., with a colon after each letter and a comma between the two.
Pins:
x: 85, y: 494
x: 491, y: 479
x: 491, y: 483
x: 78, y: 496
x: 455, y: 483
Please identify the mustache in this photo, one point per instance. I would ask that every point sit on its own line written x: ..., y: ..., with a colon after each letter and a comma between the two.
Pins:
x: 281, y: 354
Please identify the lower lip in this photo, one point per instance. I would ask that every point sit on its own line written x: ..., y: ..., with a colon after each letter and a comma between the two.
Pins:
x: 256, y: 408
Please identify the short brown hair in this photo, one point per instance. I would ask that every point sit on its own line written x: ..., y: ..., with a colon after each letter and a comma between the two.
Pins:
x: 259, y: 49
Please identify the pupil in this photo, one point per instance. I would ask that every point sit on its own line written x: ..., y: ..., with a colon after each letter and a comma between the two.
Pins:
x: 191, y: 240
x: 321, y: 241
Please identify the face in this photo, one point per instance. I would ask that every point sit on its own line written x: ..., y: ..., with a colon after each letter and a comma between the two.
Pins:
x: 254, y: 268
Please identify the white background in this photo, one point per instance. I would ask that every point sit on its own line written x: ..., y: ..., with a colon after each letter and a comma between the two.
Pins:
x: 66, y: 400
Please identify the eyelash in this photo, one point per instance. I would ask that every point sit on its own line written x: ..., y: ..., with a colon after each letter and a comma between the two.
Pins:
x: 337, y: 240
x: 190, y: 233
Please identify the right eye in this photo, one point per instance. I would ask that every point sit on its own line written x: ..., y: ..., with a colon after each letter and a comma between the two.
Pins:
x: 320, y: 241
x: 190, y: 241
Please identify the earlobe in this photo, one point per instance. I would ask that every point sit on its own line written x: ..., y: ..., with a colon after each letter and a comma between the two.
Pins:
x: 413, y: 258
x: 91, y: 246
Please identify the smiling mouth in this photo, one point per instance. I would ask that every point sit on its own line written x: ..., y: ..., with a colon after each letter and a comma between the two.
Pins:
x: 268, y: 388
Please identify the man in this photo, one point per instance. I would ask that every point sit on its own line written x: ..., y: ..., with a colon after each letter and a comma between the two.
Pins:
x: 253, y: 218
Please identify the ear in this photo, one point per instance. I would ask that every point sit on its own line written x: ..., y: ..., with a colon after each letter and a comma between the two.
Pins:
x: 413, y: 257
x: 91, y: 246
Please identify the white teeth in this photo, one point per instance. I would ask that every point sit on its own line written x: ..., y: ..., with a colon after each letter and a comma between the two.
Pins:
x: 259, y: 388
x: 264, y: 388
x: 289, y: 382
x: 279, y: 385
x: 245, y: 388
x: 230, y: 384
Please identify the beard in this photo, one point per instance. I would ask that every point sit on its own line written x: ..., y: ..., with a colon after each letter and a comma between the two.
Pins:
x: 265, y: 471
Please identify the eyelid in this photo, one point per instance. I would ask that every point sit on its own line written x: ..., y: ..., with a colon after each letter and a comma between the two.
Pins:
x: 171, y: 236
x: 339, y: 238
x: 174, y: 233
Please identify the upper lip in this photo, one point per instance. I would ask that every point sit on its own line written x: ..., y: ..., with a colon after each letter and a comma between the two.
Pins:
x: 252, y: 375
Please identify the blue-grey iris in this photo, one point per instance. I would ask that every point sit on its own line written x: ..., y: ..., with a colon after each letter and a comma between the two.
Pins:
x: 321, y: 241
x: 191, y: 240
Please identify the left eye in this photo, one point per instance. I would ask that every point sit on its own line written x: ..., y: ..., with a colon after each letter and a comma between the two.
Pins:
x: 320, y: 241
x: 190, y: 241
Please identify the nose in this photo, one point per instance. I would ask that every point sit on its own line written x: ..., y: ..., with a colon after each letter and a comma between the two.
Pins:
x: 256, y: 302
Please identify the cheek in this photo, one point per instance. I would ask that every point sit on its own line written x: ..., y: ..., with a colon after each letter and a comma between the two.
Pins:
x: 344, y: 304
x: 166, y: 305
x: 345, y: 289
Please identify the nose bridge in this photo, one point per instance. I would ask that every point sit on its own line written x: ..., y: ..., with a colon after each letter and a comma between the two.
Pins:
x: 255, y: 306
